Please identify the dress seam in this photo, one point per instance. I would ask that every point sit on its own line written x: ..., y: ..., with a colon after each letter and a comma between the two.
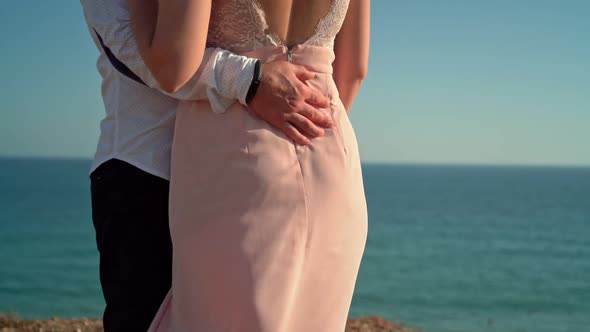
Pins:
x: 300, y: 173
x: 305, y: 248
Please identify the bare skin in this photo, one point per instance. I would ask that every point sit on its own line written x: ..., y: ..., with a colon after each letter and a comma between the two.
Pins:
x: 352, y: 51
x: 171, y: 36
x: 295, y: 21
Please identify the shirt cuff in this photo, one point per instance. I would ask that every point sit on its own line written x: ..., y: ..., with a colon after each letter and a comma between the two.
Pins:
x: 228, y: 79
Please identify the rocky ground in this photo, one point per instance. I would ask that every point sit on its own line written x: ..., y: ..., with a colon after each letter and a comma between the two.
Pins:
x: 15, y: 324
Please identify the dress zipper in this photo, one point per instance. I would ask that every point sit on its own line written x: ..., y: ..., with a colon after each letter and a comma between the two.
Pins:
x: 290, y: 54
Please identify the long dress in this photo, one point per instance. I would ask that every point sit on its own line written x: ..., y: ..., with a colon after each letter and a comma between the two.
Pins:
x: 268, y: 235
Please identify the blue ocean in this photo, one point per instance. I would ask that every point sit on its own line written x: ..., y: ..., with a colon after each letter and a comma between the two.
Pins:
x: 450, y: 248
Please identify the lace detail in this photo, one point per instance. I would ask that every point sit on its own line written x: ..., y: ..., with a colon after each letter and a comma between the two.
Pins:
x: 240, y: 26
x: 328, y: 26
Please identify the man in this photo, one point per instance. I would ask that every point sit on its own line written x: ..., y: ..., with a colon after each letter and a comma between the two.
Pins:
x: 130, y: 173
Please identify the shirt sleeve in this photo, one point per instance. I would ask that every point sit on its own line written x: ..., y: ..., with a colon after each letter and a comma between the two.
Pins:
x: 222, y: 78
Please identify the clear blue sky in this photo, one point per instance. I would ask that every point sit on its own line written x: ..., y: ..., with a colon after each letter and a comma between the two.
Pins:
x: 501, y: 82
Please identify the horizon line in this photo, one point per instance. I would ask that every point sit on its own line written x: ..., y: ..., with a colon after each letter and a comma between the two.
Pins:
x: 368, y: 162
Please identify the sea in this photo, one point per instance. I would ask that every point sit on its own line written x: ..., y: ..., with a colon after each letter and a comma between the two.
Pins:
x: 450, y: 248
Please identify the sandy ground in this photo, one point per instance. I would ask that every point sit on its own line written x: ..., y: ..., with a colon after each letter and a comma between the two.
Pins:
x: 14, y: 324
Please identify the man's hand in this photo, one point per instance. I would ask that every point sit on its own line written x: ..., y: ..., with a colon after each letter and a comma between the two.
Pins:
x: 287, y: 103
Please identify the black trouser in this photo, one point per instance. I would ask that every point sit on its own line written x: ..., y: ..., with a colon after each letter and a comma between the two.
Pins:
x: 130, y: 217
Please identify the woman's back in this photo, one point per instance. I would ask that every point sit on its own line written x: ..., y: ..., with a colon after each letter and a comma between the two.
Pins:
x: 268, y: 234
x: 245, y: 25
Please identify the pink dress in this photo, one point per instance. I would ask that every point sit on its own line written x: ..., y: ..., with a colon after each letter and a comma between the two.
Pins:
x: 268, y: 235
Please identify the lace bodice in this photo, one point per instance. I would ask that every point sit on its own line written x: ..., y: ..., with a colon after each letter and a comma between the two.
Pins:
x: 240, y: 26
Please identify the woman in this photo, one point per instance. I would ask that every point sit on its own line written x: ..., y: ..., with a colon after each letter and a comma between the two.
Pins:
x: 268, y: 234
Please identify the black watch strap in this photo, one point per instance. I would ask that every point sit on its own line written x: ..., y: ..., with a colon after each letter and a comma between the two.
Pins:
x: 256, y: 78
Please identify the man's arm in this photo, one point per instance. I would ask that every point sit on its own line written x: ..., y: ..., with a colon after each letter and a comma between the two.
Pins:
x: 112, y: 23
x: 222, y: 78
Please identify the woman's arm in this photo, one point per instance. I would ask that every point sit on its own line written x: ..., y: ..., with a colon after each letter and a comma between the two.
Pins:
x: 171, y: 36
x: 352, y: 51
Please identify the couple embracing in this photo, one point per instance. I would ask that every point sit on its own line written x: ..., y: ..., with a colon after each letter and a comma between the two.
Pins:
x: 227, y: 192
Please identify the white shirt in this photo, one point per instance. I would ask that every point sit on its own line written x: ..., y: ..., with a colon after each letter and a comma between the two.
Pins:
x: 139, y: 124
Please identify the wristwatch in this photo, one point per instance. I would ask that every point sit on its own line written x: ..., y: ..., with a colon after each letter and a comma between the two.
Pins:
x: 256, y: 78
